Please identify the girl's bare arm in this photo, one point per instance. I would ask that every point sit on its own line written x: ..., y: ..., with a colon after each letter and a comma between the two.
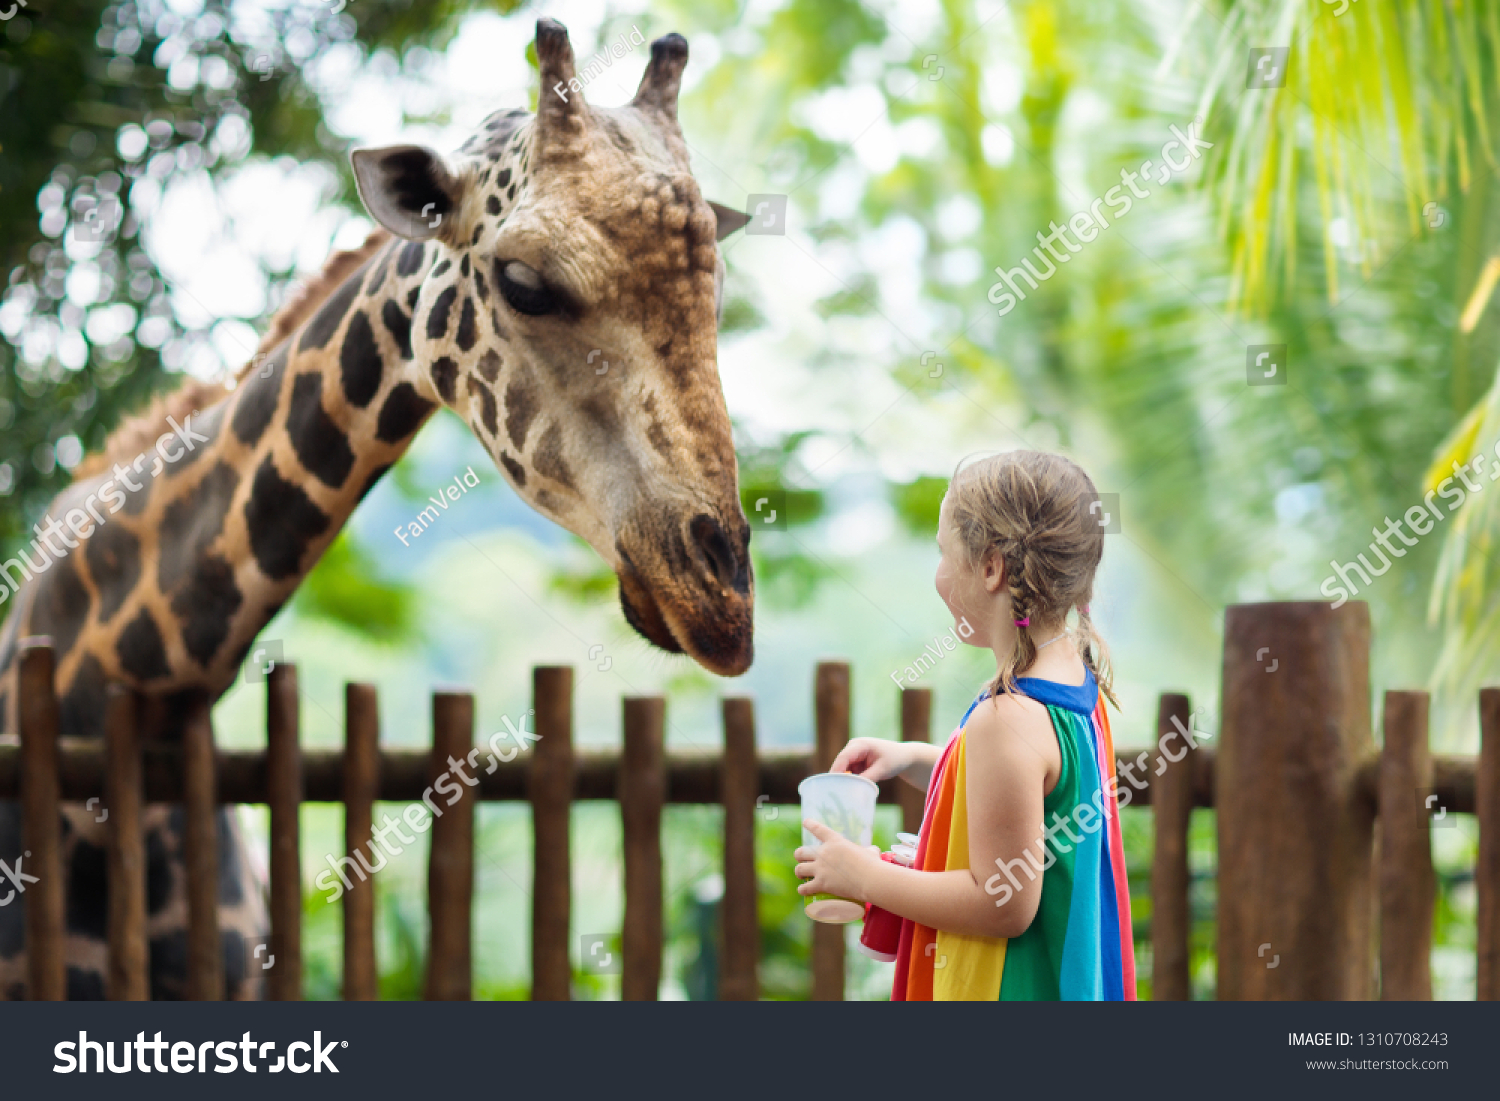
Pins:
x: 1008, y: 769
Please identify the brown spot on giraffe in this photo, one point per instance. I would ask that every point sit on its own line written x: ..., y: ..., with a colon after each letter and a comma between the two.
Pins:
x: 548, y: 458
x: 486, y: 398
x: 445, y: 378
x: 521, y: 405
x: 574, y: 230
x: 516, y: 471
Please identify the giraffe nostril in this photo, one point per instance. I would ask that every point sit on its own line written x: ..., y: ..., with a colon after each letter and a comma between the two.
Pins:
x: 718, y: 550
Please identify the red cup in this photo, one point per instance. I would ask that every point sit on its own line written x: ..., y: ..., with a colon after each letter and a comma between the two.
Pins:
x: 882, y: 933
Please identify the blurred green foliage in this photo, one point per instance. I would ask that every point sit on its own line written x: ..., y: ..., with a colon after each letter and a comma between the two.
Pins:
x: 592, y: 583
x: 918, y: 503
x: 347, y: 587
x: 785, y: 931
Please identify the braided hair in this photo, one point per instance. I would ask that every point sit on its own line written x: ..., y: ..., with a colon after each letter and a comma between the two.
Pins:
x: 1032, y: 510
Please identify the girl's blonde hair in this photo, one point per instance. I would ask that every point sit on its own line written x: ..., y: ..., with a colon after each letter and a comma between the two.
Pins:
x: 1033, y: 509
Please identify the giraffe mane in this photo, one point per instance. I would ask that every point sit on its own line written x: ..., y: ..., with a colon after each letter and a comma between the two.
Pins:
x: 303, y: 301
x: 140, y: 431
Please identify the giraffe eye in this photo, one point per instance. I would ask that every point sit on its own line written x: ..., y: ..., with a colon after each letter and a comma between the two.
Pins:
x: 523, y: 289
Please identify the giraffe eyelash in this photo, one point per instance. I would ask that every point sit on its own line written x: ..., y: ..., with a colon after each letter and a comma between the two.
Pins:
x: 521, y: 294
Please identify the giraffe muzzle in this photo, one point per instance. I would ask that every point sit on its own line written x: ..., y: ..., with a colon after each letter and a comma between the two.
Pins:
x: 694, y: 596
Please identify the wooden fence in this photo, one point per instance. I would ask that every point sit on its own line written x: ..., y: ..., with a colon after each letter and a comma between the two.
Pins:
x: 1297, y: 783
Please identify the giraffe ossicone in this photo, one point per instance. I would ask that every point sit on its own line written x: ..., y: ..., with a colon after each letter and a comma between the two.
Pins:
x: 499, y: 279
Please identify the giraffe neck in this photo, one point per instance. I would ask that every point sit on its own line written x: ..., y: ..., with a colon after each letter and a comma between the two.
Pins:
x: 185, y: 561
x: 340, y: 401
x: 323, y: 417
x: 334, y: 406
x: 179, y: 558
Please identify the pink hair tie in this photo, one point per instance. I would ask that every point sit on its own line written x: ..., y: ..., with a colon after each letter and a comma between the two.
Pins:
x: 1084, y: 609
x: 1024, y: 622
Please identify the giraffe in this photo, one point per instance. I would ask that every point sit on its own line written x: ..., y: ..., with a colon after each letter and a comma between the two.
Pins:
x: 496, y: 283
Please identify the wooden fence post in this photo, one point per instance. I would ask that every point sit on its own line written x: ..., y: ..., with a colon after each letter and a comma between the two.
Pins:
x: 1295, y: 877
x: 40, y: 833
x: 739, y: 792
x: 450, y: 861
x: 916, y: 726
x: 643, y: 788
x: 1172, y: 808
x: 361, y: 786
x: 550, y: 789
x: 832, y: 715
x: 1487, y: 867
x: 284, y: 794
x: 1407, y: 884
x: 124, y: 797
x: 200, y: 813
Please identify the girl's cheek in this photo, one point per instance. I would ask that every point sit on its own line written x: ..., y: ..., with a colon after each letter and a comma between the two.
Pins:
x: 946, y: 589
x: 953, y: 602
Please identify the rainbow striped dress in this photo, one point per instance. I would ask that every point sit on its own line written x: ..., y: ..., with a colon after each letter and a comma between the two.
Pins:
x: 1079, y: 946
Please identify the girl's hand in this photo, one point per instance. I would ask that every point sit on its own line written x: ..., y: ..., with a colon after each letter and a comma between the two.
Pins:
x: 874, y: 758
x: 837, y: 867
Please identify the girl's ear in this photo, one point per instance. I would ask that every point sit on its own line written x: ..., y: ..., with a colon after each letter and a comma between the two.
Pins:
x: 994, y: 572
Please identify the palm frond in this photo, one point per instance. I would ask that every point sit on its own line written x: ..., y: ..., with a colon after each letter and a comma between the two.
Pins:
x: 1385, y: 104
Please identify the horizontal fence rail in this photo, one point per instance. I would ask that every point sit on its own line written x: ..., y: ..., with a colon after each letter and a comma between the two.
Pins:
x: 693, y: 776
x: 1395, y: 786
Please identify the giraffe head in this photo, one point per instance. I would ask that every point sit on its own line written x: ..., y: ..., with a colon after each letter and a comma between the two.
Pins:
x: 568, y: 312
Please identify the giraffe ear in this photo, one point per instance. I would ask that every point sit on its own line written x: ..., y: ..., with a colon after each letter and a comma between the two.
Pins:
x: 408, y: 189
x: 729, y: 219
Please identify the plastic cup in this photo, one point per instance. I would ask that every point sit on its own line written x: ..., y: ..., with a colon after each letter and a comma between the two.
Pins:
x: 845, y: 803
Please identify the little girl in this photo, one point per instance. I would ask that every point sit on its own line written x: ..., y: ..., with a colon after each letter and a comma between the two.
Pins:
x: 1018, y: 891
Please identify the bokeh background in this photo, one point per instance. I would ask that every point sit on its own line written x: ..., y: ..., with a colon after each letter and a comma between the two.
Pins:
x: 1348, y: 212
